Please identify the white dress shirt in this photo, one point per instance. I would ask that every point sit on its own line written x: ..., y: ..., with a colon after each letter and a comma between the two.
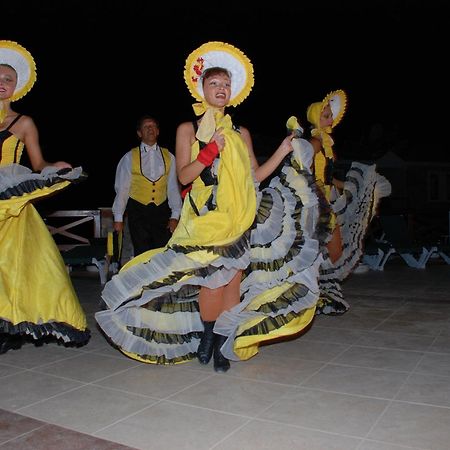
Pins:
x: 153, y: 168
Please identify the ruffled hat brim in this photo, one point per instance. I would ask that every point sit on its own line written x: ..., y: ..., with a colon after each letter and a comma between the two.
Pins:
x: 20, y: 59
x: 219, y: 54
x: 338, y: 104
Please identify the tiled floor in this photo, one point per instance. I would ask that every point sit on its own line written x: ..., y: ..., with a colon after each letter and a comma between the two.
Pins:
x: 376, y: 378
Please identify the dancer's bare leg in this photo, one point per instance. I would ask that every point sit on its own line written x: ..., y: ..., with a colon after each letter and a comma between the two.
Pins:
x: 210, y: 303
x: 335, y: 245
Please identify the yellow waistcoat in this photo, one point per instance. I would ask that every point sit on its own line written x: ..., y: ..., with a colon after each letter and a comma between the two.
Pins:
x: 144, y: 190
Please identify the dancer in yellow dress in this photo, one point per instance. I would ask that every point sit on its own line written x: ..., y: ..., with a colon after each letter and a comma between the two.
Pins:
x: 352, y: 202
x: 37, y: 299
x: 241, y: 267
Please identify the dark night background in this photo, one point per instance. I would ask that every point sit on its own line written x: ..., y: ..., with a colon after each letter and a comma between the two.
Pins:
x: 103, y: 64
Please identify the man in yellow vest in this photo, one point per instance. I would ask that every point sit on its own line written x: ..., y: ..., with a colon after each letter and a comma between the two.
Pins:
x: 147, y: 189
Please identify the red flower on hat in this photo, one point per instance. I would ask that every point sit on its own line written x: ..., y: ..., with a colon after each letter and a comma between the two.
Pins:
x: 198, y: 68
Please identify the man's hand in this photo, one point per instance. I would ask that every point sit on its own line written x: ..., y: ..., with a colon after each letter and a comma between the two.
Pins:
x: 172, y: 225
x: 118, y: 226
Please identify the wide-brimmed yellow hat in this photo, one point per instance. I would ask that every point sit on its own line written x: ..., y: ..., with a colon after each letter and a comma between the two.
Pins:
x: 338, y: 103
x: 226, y: 56
x: 20, y: 59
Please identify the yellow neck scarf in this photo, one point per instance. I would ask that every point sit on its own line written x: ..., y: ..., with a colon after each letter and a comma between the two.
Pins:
x: 208, y: 123
x: 326, y: 139
x: 313, y: 115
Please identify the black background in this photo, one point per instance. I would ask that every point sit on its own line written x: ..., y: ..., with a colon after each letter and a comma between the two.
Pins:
x: 101, y: 64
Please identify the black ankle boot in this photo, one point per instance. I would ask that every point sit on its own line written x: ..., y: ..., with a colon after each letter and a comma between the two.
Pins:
x: 206, y: 346
x: 10, y: 342
x: 221, y: 364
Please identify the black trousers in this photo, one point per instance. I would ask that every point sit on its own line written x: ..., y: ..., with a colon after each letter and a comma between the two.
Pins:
x: 148, y: 225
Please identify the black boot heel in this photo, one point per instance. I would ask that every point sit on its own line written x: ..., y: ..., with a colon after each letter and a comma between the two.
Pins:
x: 206, y: 346
x: 221, y: 364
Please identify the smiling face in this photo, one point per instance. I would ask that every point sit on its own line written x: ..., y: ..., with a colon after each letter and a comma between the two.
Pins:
x: 217, y: 87
x: 8, y: 81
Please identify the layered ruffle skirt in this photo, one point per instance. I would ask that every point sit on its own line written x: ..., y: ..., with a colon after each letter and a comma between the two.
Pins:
x: 37, y: 298
x: 152, y: 310
x: 354, y: 209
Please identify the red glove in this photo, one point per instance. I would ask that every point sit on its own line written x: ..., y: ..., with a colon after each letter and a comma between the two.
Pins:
x: 208, y: 153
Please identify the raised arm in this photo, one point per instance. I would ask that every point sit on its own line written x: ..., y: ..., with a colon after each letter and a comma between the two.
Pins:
x: 267, y: 168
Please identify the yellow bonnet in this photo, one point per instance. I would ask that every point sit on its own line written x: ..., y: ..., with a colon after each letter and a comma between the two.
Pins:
x: 226, y: 56
x: 338, y: 103
x: 19, y: 58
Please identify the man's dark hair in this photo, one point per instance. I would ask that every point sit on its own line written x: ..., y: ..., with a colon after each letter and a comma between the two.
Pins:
x: 143, y: 118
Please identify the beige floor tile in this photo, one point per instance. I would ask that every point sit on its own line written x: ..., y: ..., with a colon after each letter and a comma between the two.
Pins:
x: 373, y: 445
x: 6, y: 370
x: 275, y: 369
x: 318, y: 333
x: 357, y: 380
x: 88, y: 408
x: 327, y: 411
x: 30, y: 356
x: 305, y: 350
x: 330, y: 388
x: 26, y: 388
x: 88, y: 367
x: 415, y: 425
x: 402, y: 326
x: 380, y: 358
x: 435, y: 364
x: 426, y: 388
x: 154, y: 381
x: 264, y: 435
x: 382, y: 339
x: 167, y: 426
x: 233, y: 395
x: 441, y: 344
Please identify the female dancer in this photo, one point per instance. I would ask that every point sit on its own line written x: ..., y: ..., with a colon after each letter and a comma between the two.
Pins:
x: 37, y: 299
x: 353, y: 202
x: 241, y: 267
